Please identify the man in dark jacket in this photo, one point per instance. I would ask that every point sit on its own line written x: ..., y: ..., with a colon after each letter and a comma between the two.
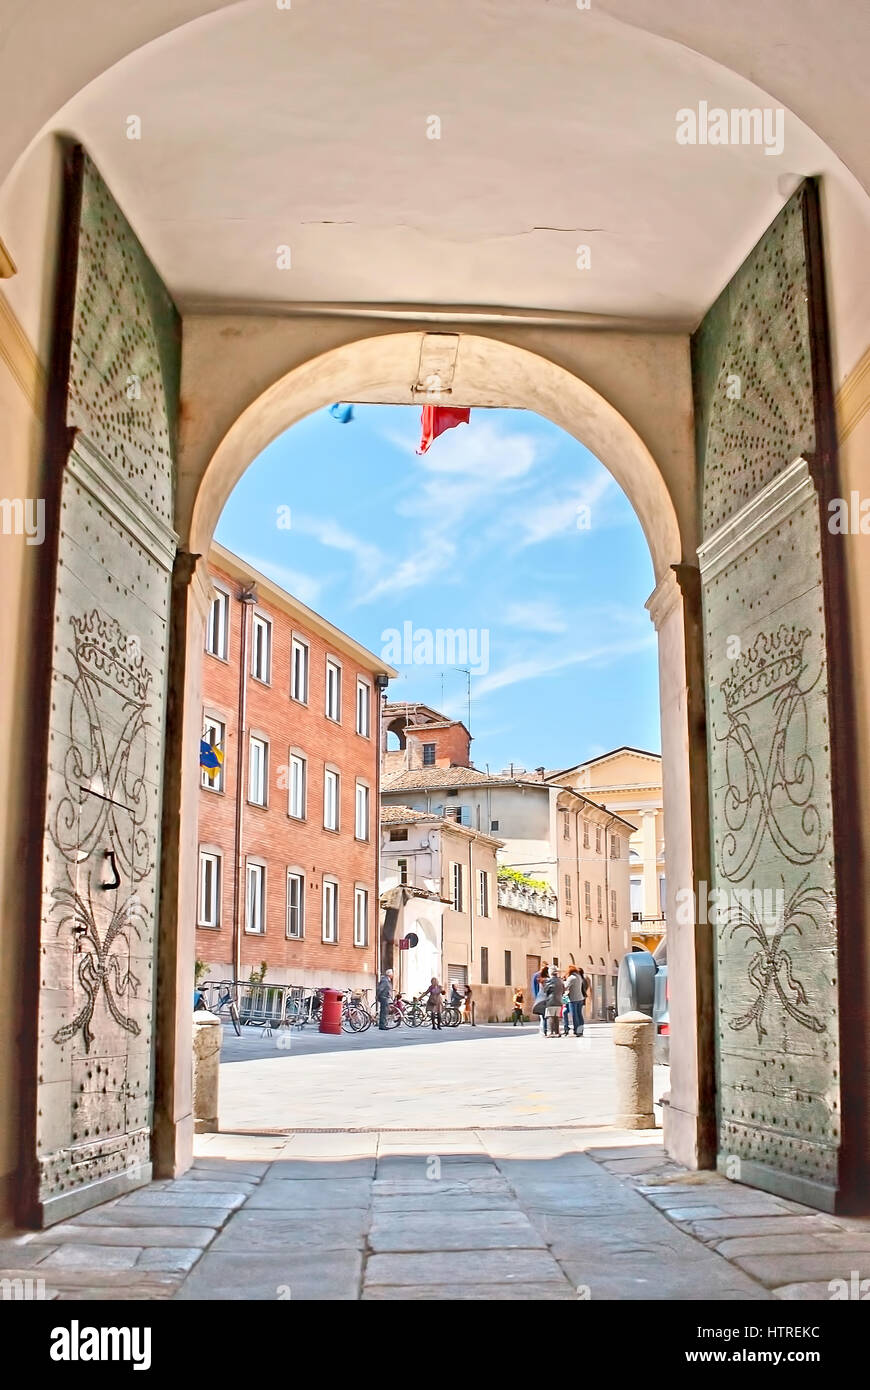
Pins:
x: 384, y: 994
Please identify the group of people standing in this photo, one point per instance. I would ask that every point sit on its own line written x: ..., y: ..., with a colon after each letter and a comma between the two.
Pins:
x: 557, y: 999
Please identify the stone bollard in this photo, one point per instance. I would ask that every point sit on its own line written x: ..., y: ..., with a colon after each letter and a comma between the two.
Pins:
x: 634, y: 1037
x: 207, y: 1034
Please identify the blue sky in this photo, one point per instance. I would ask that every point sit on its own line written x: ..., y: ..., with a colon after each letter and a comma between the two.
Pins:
x: 485, y: 534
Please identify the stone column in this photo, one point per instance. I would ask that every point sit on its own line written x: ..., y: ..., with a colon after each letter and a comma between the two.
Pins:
x: 689, y: 1120
x: 207, y: 1037
x: 173, y: 1109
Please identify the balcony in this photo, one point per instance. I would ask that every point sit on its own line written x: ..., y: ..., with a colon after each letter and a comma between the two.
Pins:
x: 519, y: 899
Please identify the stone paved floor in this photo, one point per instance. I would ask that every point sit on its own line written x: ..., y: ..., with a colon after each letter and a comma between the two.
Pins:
x: 470, y: 1211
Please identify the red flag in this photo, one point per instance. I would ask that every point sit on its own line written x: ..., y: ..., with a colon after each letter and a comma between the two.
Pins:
x: 437, y: 419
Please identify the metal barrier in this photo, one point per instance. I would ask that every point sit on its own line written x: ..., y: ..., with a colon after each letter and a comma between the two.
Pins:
x: 261, y: 1005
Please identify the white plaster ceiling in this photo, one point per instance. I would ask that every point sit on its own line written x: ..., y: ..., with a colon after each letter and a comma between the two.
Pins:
x: 306, y: 127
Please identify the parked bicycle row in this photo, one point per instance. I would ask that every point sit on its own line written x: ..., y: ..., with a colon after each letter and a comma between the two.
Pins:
x: 247, y: 1004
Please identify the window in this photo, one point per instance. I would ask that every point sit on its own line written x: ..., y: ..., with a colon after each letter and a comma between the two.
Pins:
x: 598, y: 839
x: 600, y: 908
x: 361, y: 830
x: 214, y: 734
x: 566, y: 825
x: 507, y: 968
x: 461, y: 814
x: 297, y: 786
x: 587, y: 899
x: 457, y: 895
x: 613, y: 905
x: 295, y: 904
x: 216, y: 631
x: 403, y: 870
x: 635, y: 890
x: 615, y: 847
x: 484, y: 965
x: 493, y: 825
x: 255, y: 898
x: 261, y: 649
x: 360, y: 917
x: 567, y: 892
x: 363, y: 708
x: 257, y: 760
x: 586, y: 834
x: 333, y: 689
x: 482, y: 893
x: 209, y: 889
x: 401, y: 834
x: 429, y: 754
x: 299, y: 670
x: 330, y: 799
x: 330, y: 910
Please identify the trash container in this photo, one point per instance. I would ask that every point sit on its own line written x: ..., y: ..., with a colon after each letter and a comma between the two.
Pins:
x: 330, y: 1013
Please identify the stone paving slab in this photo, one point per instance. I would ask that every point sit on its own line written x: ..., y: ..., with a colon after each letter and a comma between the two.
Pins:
x: 487, y: 1293
x: 311, y: 1194
x: 727, y: 1227
x: 438, y: 1200
x: 454, y: 1268
x: 649, y: 1277
x: 186, y: 1195
x: 207, y: 1217
x: 475, y: 1231
x: 292, y: 1275
x: 256, y: 1231
x: 168, y: 1236
x: 775, y: 1271
x: 286, y: 1169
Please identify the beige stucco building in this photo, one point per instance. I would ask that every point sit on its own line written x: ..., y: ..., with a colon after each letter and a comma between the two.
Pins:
x: 629, y: 781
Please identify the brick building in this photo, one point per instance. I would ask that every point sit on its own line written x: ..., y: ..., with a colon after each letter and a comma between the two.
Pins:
x: 288, y: 827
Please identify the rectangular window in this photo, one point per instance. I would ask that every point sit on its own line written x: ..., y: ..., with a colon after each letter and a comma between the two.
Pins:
x: 493, y: 825
x: 363, y: 708
x: 401, y: 834
x: 587, y: 899
x: 567, y: 892
x: 213, y: 734
x: 586, y: 834
x: 484, y: 965
x: 217, y: 628
x: 330, y: 910
x: 360, y: 917
x: 598, y: 839
x: 299, y: 670
x: 600, y: 908
x: 297, y: 786
x: 261, y: 649
x: 295, y: 905
x: 456, y: 887
x: 403, y: 870
x: 566, y: 825
x: 257, y: 759
x: 255, y: 899
x: 429, y: 754
x: 615, y: 847
x: 209, y: 889
x: 508, y: 970
x: 613, y: 906
x: 482, y: 893
x: 333, y: 690
x: 362, y: 811
x: 330, y: 799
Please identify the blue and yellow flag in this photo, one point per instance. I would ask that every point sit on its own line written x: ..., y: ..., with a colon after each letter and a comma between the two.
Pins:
x: 210, y: 757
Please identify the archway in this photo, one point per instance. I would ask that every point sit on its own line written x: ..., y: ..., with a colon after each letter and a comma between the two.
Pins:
x: 386, y: 368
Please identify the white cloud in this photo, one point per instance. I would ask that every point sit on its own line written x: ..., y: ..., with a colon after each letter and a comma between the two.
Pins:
x: 536, y: 615
x: 556, y: 516
x: 367, y: 556
x: 301, y: 586
x: 534, y: 667
x: 430, y: 561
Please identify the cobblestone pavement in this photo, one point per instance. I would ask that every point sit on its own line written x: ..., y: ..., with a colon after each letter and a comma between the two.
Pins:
x: 530, y: 1210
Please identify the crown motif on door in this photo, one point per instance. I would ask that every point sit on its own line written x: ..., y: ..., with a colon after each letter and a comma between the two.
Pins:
x: 774, y: 661
x: 104, y: 650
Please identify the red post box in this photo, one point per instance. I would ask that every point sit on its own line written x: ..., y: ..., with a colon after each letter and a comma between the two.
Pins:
x: 330, y: 1012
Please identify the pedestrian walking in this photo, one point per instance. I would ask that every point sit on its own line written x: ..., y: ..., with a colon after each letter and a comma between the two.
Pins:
x: 384, y: 994
x: 517, y: 1015
x: 553, y: 992
x: 539, y: 984
x: 455, y: 997
x: 468, y: 1007
x: 575, y: 997
x: 584, y: 1005
x: 433, y: 996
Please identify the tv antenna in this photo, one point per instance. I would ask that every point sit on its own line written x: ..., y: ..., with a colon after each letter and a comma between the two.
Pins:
x: 467, y: 674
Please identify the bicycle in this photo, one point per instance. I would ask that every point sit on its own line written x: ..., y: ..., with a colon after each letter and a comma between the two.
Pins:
x: 450, y: 1016
x: 225, y: 1000
x: 354, y: 1017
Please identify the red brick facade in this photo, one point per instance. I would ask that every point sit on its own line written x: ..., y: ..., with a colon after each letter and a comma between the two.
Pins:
x: 273, y: 839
